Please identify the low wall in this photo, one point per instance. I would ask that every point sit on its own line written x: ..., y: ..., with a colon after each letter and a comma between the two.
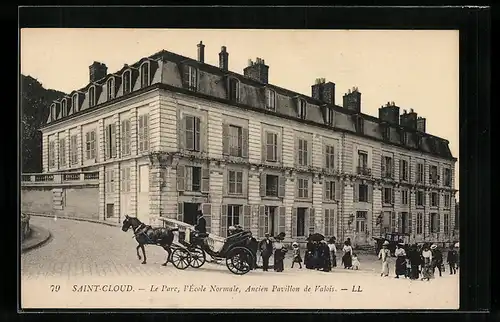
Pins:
x: 76, y: 202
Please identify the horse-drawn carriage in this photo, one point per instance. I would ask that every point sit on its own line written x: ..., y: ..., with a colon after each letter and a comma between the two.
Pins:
x: 191, y: 248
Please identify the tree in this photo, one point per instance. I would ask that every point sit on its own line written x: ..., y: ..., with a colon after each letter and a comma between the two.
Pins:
x: 35, y: 101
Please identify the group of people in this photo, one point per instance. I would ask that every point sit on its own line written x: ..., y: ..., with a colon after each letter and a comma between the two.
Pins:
x: 276, y: 247
x: 416, y: 262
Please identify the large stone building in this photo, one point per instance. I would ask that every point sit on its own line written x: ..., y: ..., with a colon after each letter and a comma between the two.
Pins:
x: 170, y: 133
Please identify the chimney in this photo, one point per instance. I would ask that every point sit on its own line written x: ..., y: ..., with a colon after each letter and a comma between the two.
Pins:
x: 352, y: 100
x: 223, y: 59
x: 324, y: 92
x: 201, y: 52
x: 409, y: 119
x: 389, y: 113
x: 257, y: 70
x: 97, y: 71
x: 421, y: 124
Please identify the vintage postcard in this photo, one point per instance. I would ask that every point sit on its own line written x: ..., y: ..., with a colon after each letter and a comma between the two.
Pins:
x: 233, y: 169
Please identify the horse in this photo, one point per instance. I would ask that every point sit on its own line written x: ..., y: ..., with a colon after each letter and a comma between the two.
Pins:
x: 147, y: 235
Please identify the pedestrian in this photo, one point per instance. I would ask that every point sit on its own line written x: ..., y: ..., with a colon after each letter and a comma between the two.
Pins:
x: 437, y: 259
x: 400, y: 267
x: 415, y: 261
x: 383, y: 255
x: 296, y: 254
x: 266, y: 250
x: 451, y: 258
x: 279, y: 254
x: 308, y: 257
x: 333, y: 251
x: 347, y: 257
x: 427, y: 271
x: 355, y: 261
x: 325, y: 260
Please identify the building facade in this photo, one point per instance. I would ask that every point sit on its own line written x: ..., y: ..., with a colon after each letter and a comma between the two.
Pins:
x: 169, y: 134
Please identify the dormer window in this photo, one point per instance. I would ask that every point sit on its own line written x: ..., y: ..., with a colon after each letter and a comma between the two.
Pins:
x: 386, y: 133
x: 404, y: 138
x: 359, y: 124
x: 270, y: 100
x: 419, y: 141
x: 92, y: 96
x: 145, y: 74
x: 127, y: 82
x: 64, y: 107
x: 191, y: 78
x: 74, y: 102
x: 53, y: 111
x: 234, y: 89
x: 301, y: 109
x: 111, y: 88
x: 328, y: 116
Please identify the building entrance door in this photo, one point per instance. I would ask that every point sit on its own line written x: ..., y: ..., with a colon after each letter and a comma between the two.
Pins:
x: 190, y: 213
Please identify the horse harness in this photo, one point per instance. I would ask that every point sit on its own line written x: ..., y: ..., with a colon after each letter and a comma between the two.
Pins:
x: 141, y: 229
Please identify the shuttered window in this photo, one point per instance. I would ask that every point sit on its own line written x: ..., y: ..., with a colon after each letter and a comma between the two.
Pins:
x: 143, y: 133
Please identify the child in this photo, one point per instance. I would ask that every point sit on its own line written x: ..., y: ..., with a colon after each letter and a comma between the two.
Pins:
x: 355, y: 261
x: 408, y: 268
x: 296, y: 254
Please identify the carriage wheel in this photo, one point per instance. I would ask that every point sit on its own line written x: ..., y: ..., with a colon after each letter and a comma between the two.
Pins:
x: 239, y: 260
x: 181, y: 258
x: 198, y: 257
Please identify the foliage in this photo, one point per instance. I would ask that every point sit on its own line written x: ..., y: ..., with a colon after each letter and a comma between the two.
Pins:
x: 34, y: 111
x: 25, y: 226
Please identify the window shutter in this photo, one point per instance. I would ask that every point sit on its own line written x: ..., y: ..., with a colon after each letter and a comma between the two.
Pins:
x: 262, y: 184
x: 383, y: 195
x: 264, y: 147
x: 244, y: 142
x: 370, y: 192
x: 355, y: 191
x: 201, y: 139
x: 113, y: 140
x: 281, y: 186
x: 294, y: 222
x: 185, y: 78
x: 282, y: 219
x: 326, y: 190
x: 205, y: 180
x: 386, y: 219
x: 223, y: 221
x: 262, y: 221
x: 247, y: 214
x: 181, y: 178
x: 393, y: 168
x: 400, y: 222
x: 338, y: 187
x: 311, y: 224
x: 297, y: 151
x: 382, y: 166
x: 326, y: 160
x: 393, y: 196
x: 327, y: 222
x: 107, y: 142
x: 425, y: 197
x: 438, y: 223
x: 146, y: 132
x: 206, y: 208
x: 401, y: 175
x: 181, y: 133
x: 180, y: 211
x: 279, y: 149
x: 438, y: 199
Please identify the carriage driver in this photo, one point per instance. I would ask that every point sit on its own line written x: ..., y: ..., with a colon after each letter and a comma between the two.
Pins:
x: 201, y: 223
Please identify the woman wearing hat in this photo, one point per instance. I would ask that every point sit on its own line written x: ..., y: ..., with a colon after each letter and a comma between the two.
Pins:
x: 347, y: 258
x: 427, y: 271
x: 400, y: 260
x: 384, y: 255
x: 296, y: 254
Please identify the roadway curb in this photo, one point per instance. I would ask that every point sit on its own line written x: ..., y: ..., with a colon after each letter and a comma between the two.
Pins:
x: 74, y: 218
x: 38, y: 237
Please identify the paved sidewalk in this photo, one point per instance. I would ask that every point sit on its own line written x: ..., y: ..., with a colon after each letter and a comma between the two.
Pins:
x: 37, y: 237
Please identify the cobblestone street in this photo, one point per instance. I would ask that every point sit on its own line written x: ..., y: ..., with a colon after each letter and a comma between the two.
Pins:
x: 84, y: 253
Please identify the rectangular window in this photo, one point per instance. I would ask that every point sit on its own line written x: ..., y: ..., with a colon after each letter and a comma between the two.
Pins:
x: 192, y: 80
x: 434, y: 223
x: 330, y: 190
x: 193, y: 134
x: 270, y: 100
x: 193, y: 179
x: 404, y: 170
x: 360, y: 125
x: 329, y: 222
x: 233, y: 215
x: 329, y: 157
x: 271, y: 147
x: 235, y: 179
x: 303, y: 188
x: 361, y: 221
x: 420, y: 223
x: 404, y: 197
x: 301, y: 221
x: 125, y: 179
x: 73, y: 147
x: 420, y: 173
x: 234, y: 90
x: 74, y: 103
x: 362, y: 162
x: 52, y: 154
x: 92, y: 96
x: 111, y: 88
x: 433, y: 174
x: 447, y: 177
x: 272, y: 184
x: 143, y: 133
x: 388, y: 197
x: 303, y: 152
x: 394, y: 222
x: 405, y: 223
x: 109, y: 177
x: 90, y: 145
x: 329, y: 116
x: 271, y: 218
x: 126, y: 137
x: 145, y: 75
x: 447, y: 198
x: 420, y: 198
x: 387, y: 167
x: 446, y: 223
x: 62, y: 152
x: 110, y: 141
x: 434, y: 199
x: 126, y: 83
x: 235, y: 140
x: 363, y: 193
x: 302, y: 109
x: 387, y: 133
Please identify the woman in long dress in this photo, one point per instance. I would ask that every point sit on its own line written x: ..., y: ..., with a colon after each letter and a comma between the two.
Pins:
x: 347, y: 257
x: 400, y: 261
x: 427, y: 271
x: 333, y: 252
x: 384, y: 255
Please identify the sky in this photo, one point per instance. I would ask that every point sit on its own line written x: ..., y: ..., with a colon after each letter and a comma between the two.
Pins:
x: 417, y: 70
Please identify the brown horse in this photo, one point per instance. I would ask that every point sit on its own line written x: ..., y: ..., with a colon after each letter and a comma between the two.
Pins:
x: 147, y: 235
